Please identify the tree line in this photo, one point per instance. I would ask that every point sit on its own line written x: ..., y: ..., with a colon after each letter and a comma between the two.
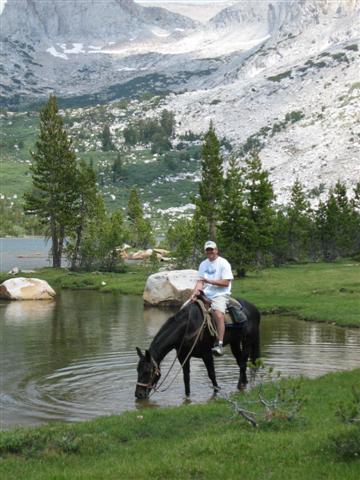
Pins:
x: 238, y: 210
x: 65, y: 199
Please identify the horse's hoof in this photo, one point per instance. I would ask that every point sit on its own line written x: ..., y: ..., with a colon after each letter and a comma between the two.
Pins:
x: 216, y: 389
x: 241, y: 386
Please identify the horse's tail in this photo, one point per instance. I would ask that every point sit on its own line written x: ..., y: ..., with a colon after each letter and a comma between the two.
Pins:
x: 254, y: 330
x: 255, y: 349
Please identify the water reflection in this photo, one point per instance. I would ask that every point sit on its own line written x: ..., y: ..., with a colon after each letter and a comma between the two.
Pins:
x: 74, y: 358
x: 21, y: 312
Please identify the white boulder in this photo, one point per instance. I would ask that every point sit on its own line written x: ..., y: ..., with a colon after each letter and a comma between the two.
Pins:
x: 14, y: 271
x: 26, y: 289
x: 171, y: 288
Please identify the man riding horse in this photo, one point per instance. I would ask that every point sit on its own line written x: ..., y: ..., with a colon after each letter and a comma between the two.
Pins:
x: 215, y: 281
x: 186, y: 331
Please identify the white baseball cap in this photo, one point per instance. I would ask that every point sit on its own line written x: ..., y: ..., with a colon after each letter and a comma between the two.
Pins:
x: 210, y: 244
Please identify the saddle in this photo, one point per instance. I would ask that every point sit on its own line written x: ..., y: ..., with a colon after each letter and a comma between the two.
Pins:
x: 235, y: 315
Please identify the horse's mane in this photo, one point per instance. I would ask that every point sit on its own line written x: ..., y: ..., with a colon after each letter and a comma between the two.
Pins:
x: 172, y: 324
x: 178, y: 317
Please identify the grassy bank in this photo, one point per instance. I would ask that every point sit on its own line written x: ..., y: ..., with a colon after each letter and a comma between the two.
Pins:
x: 191, y: 442
x: 327, y: 292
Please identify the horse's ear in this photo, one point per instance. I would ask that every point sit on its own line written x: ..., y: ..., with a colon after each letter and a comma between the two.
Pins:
x: 139, y: 352
x: 147, y: 356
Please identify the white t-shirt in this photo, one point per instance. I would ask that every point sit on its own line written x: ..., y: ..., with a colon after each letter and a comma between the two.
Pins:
x: 219, y: 269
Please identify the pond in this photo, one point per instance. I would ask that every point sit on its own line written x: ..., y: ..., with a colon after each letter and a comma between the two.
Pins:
x: 74, y: 358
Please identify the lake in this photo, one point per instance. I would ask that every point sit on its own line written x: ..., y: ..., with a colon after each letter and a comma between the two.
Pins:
x: 74, y: 358
x: 24, y: 253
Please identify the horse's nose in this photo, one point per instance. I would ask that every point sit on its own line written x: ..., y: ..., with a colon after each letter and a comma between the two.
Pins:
x: 140, y: 394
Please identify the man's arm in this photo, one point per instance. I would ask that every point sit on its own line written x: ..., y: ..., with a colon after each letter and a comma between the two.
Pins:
x: 217, y: 283
x: 198, y: 286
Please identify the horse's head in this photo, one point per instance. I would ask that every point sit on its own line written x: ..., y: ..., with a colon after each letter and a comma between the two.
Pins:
x: 148, y: 374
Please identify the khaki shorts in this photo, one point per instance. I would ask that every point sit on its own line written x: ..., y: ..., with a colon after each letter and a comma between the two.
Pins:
x: 220, y: 303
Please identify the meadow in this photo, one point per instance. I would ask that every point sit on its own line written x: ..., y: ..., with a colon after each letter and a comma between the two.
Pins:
x: 195, y: 442
x: 323, y: 292
x: 213, y: 441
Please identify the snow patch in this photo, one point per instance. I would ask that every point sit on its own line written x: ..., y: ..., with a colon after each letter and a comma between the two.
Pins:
x: 55, y: 53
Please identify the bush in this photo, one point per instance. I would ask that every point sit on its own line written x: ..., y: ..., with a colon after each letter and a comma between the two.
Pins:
x: 346, y: 445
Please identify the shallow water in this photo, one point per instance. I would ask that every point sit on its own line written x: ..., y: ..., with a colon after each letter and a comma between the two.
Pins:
x: 75, y: 359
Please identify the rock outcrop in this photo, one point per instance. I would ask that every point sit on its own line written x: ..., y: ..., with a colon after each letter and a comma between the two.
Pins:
x: 170, y: 288
x: 26, y: 289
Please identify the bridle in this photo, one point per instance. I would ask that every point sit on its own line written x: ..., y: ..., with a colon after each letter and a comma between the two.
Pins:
x: 154, y: 376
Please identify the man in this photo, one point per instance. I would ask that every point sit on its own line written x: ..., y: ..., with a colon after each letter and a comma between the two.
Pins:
x: 215, y: 277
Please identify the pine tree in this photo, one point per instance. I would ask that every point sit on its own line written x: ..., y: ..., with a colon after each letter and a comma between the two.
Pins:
x: 89, y: 208
x: 211, y: 186
x: 117, y: 168
x: 298, y: 220
x: 131, y: 136
x: 234, y: 219
x: 280, y: 244
x: 260, y: 211
x: 167, y: 122
x: 54, y: 194
x: 140, y: 228
x: 106, y: 140
x: 355, y: 205
x: 336, y: 224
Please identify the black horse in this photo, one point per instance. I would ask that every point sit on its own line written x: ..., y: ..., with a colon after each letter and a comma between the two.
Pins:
x: 180, y: 332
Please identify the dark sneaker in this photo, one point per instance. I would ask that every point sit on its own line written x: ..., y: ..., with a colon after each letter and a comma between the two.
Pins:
x: 218, y: 350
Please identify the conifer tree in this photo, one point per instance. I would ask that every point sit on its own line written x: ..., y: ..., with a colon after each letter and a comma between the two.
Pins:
x: 140, y: 228
x: 167, y: 122
x: 280, y: 244
x: 355, y: 204
x: 211, y: 186
x: 234, y: 219
x: 298, y: 222
x: 260, y: 211
x: 106, y: 140
x: 337, y: 224
x: 89, y: 208
x: 117, y: 167
x: 54, y: 195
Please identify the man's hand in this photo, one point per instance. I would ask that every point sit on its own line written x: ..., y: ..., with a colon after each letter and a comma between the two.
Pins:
x: 194, y: 295
x: 199, y: 286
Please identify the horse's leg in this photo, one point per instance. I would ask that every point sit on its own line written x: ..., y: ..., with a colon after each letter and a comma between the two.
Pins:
x: 209, y: 364
x: 241, y: 357
x: 186, y: 373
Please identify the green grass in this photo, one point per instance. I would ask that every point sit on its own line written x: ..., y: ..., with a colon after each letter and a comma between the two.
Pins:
x: 328, y: 292
x: 316, y: 291
x: 190, y: 442
x: 15, y: 178
x: 130, y: 283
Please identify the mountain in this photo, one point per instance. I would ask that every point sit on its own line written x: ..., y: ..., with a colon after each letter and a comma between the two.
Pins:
x: 291, y: 86
x: 68, y: 47
x: 282, y: 75
x: 77, y: 21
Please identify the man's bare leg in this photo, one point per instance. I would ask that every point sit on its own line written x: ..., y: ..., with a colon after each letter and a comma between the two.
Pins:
x: 220, y: 324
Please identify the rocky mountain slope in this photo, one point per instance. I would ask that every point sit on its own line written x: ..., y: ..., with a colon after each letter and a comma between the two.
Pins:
x: 72, y: 47
x: 297, y: 93
x: 279, y: 74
